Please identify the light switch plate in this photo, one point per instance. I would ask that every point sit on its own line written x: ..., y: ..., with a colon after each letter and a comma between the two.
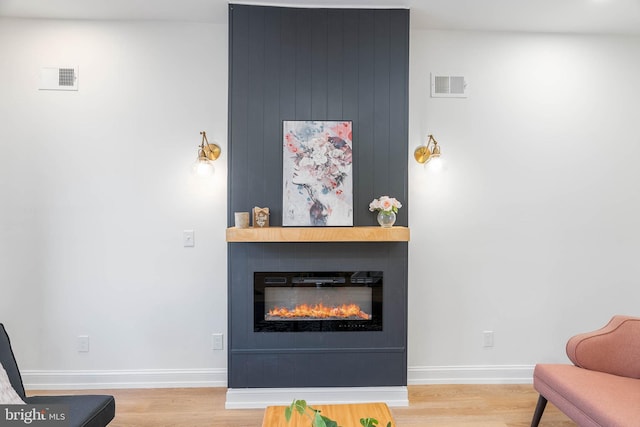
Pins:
x: 188, y: 239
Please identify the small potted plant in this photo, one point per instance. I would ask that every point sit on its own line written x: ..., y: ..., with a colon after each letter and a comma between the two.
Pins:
x: 387, y: 208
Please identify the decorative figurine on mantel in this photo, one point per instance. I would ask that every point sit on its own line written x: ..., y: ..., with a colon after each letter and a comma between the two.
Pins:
x: 260, y: 217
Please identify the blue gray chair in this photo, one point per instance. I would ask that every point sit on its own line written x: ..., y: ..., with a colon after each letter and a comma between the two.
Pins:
x: 84, y: 410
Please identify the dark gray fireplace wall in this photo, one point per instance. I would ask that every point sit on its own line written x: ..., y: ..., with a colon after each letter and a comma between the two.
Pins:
x: 317, y: 64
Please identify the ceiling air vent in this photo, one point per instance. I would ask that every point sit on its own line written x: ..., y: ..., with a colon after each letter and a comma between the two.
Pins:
x: 448, y: 86
x: 59, y: 78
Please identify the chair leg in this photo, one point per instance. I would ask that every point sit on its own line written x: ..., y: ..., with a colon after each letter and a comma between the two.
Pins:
x: 537, y: 415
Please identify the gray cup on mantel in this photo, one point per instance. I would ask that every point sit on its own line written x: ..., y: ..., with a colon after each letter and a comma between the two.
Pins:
x: 242, y: 219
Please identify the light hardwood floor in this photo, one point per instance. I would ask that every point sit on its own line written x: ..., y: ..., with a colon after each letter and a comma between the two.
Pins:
x: 430, y: 406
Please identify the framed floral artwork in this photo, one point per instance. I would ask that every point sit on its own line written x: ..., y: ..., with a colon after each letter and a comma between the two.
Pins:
x: 317, y: 181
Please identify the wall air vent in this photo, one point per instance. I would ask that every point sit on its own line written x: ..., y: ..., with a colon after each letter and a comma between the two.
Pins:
x: 448, y: 86
x: 59, y: 78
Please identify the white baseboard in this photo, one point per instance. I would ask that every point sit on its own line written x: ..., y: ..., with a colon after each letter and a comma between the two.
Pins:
x: 167, y: 378
x: 143, y: 378
x: 246, y: 398
x: 473, y: 374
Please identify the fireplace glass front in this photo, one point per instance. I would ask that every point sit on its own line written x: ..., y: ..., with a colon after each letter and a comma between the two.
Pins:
x: 317, y: 301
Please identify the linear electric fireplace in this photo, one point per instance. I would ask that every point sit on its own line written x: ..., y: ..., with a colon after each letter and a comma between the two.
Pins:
x: 317, y: 301
x: 307, y: 314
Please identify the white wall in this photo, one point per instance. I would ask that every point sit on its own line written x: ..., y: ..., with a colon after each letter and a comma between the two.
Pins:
x: 531, y: 230
x: 96, y: 189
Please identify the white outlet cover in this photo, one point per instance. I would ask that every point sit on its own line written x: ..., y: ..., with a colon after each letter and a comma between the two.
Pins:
x: 83, y: 343
x: 487, y: 338
x: 218, y: 343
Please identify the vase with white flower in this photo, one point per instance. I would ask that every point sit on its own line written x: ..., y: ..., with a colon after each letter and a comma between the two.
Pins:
x: 387, y: 208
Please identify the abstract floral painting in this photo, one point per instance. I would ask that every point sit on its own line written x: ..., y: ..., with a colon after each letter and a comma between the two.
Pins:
x: 317, y: 179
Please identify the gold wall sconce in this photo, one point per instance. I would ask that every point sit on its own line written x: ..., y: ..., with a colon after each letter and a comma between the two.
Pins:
x: 207, y: 154
x: 427, y: 152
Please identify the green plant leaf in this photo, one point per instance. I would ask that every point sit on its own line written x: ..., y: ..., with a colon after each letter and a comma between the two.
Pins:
x: 318, y: 420
x: 389, y: 424
x: 329, y: 422
x: 368, y: 422
x: 302, y: 408
x: 300, y: 405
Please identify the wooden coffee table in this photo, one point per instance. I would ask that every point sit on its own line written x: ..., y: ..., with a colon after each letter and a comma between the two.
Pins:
x: 347, y: 415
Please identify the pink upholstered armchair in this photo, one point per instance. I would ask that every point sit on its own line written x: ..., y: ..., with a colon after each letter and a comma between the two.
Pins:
x: 602, y: 388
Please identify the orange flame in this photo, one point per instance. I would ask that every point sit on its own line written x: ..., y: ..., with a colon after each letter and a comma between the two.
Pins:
x: 320, y: 311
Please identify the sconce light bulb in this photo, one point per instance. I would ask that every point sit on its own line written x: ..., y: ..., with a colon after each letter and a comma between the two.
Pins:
x: 204, y: 168
x: 434, y: 163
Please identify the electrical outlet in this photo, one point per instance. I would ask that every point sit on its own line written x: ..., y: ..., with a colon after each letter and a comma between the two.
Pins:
x: 82, y: 343
x: 217, y: 341
x: 487, y: 338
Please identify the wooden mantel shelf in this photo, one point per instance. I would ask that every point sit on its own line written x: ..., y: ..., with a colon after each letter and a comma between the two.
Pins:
x: 318, y: 234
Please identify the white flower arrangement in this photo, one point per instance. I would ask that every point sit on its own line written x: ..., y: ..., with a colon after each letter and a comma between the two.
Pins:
x: 385, y: 204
